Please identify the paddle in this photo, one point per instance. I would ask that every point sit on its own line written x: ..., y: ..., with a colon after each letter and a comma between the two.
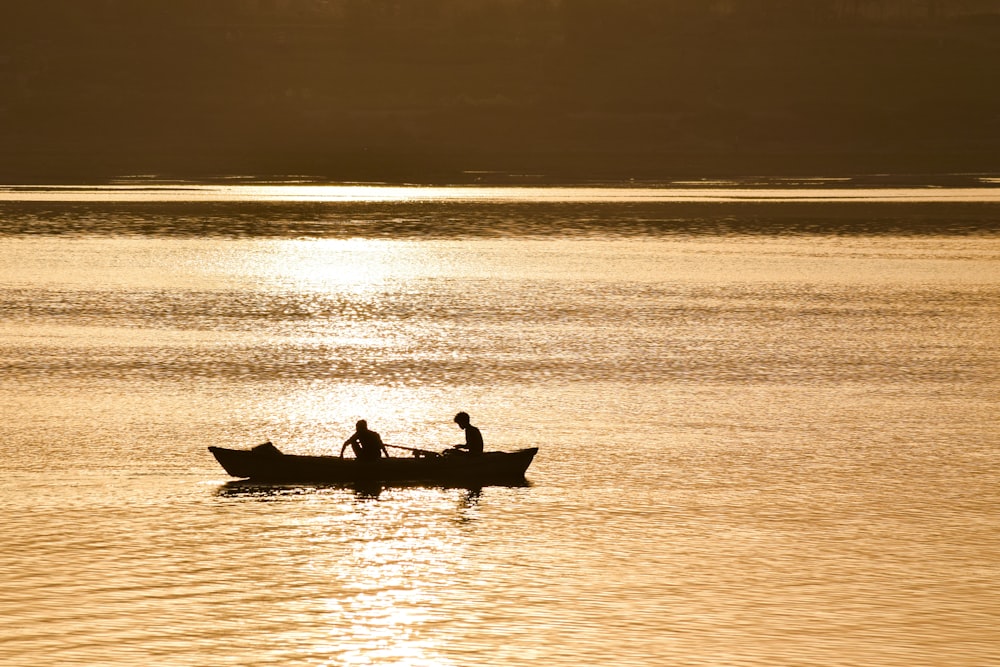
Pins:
x: 418, y: 452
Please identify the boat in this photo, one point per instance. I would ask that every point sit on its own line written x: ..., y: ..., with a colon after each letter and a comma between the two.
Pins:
x: 266, y: 463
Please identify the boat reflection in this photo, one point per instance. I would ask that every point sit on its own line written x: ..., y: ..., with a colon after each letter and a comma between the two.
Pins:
x: 245, y: 489
x: 471, y: 496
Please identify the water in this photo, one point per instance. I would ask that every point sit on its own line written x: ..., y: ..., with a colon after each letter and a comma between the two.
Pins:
x: 768, y: 427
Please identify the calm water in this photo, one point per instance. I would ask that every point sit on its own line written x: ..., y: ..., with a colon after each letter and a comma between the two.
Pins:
x: 768, y: 426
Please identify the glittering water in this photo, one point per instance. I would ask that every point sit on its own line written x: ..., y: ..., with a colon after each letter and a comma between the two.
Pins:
x: 768, y: 430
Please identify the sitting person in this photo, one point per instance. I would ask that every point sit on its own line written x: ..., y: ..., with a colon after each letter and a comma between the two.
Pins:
x: 473, y: 438
x: 367, y: 445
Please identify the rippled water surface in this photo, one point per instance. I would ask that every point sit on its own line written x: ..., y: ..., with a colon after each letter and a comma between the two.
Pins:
x: 768, y: 429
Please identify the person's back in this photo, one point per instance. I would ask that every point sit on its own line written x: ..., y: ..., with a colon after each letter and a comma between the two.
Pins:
x: 473, y: 440
x: 371, y: 445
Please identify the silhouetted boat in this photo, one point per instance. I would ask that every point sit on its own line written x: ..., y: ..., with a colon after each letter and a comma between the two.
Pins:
x: 265, y: 463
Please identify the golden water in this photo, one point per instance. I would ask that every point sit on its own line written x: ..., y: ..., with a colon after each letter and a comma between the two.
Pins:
x: 768, y: 435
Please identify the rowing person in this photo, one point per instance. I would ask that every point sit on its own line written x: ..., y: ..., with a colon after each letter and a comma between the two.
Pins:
x: 367, y: 444
x: 473, y: 438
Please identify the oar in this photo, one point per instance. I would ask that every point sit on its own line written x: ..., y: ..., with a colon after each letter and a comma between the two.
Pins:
x: 422, y: 452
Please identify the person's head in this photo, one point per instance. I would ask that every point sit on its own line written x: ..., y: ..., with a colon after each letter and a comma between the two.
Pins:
x: 462, y: 419
x: 362, y: 425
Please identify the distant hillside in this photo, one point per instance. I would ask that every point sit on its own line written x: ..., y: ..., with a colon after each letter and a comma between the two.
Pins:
x: 430, y: 90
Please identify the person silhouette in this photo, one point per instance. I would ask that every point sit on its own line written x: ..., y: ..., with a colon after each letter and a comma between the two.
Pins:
x: 473, y: 438
x: 367, y: 444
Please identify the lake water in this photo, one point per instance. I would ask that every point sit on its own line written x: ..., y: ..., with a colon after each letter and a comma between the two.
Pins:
x: 767, y: 420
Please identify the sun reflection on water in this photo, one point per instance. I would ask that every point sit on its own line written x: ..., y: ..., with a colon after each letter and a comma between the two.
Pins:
x: 680, y: 191
x: 384, y: 557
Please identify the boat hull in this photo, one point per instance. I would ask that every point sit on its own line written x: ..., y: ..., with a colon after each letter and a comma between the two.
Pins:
x: 267, y: 464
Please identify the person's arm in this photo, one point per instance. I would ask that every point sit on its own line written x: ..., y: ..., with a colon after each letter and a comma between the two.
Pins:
x: 346, y: 443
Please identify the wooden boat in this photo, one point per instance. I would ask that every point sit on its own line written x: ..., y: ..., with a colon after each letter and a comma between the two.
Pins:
x: 265, y: 463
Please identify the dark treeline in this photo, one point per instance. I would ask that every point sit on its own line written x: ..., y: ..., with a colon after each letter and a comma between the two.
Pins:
x: 422, y: 90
